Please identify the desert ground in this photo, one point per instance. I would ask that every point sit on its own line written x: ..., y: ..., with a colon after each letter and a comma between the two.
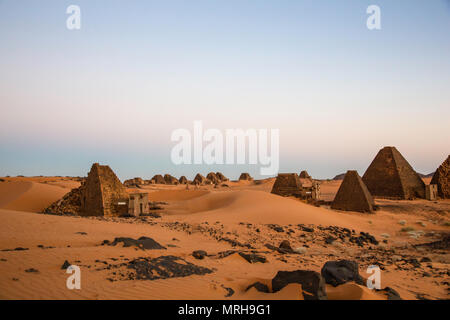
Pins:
x: 232, y: 224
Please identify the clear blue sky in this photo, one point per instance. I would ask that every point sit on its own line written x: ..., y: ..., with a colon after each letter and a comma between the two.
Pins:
x: 114, y: 91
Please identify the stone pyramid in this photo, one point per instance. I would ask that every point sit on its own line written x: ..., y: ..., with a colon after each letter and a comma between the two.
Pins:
x: 353, y: 195
x: 101, y: 192
x: 441, y: 178
x: 287, y: 184
x: 391, y: 176
x: 304, y: 175
x: 158, y: 179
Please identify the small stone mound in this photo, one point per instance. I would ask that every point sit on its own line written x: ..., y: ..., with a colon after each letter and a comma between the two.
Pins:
x: 183, y: 180
x: 164, y: 267
x: 70, y: 203
x: 245, y: 176
x: 340, y: 272
x: 159, y: 179
x: 170, y: 179
x: 143, y: 243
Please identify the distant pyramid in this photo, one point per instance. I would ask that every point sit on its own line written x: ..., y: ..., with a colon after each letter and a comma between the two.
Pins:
x: 287, y: 184
x: 304, y: 175
x: 245, y: 176
x: 353, y: 195
x: 391, y: 176
x: 101, y: 192
x: 158, y: 179
x: 170, y: 179
x: 442, y: 178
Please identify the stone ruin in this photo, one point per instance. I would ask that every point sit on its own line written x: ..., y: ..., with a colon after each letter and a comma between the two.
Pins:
x: 102, y: 193
x: 304, y: 175
x: 170, y: 179
x: 199, y: 180
x: 159, y: 179
x: 212, y: 177
x: 183, y: 180
x: 391, y: 176
x: 442, y: 180
x: 288, y: 184
x: 245, y: 176
x: 221, y: 177
x: 353, y: 195
x: 135, y: 182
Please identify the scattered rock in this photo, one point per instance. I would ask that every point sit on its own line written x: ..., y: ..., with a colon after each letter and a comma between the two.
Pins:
x: 199, y: 254
x: 312, y: 283
x: 32, y: 270
x: 65, y: 265
x: 253, y: 257
x: 164, y: 267
x: 261, y: 287
x: 143, y: 243
x: 340, y: 272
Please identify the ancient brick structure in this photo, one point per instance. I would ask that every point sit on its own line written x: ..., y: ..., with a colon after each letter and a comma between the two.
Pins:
x: 103, y: 193
x: 245, y: 176
x: 304, y: 175
x: 183, y: 180
x: 138, y: 204
x: 221, y: 177
x: 159, y: 179
x: 442, y: 180
x: 170, y: 179
x: 212, y: 177
x: 353, y: 195
x: 288, y: 184
x: 431, y: 192
x: 391, y: 176
x: 199, y: 179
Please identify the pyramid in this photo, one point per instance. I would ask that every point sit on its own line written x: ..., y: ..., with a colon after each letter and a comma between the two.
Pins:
x: 391, y: 176
x: 101, y: 192
x: 442, y: 180
x: 170, y: 179
x: 159, y: 179
x: 287, y: 184
x: 213, y: 178
x: 221, y: 177
x: 183, y: 180
x: 199, y: 179
x: 245, y: 176
x: 304, y: 175
x: 353, y: 195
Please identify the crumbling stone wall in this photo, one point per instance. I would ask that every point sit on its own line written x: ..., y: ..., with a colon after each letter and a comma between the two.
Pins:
x: 442, y: 180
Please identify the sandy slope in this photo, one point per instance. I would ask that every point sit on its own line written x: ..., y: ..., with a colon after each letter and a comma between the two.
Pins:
x: 190, y: 220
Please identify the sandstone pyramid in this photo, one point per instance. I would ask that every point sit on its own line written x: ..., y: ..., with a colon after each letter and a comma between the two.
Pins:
x: 221, y: 177
x: 170, y: 179
x: 287, y: 184
x: 441, y: 178
x: 102, y: 192
x: 304, y: 175
x: 133, y: 182
x: 245, y: 176
x: 212, y: 177
x: 391, y: 176
x: 199, y: 179
x: 353, y: 195
x: 183, y: 180
x: 158, y: 179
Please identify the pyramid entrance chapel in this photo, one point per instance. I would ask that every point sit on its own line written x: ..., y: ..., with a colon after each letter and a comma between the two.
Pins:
x: 391, y: 176
x: 353, y: 195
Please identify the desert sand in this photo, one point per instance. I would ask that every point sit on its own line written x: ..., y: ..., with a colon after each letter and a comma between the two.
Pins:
x: 243, y: 216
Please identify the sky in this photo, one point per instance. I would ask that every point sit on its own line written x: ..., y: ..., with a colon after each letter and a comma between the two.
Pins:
x: 113, y: 91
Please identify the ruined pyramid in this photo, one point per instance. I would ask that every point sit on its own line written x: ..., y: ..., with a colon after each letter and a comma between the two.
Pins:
x: 391, y: 176
x: 353, y: 195
x: 287, y: 184
x: 442, y: 180
x: 304, y: 175
x: 102, y: 193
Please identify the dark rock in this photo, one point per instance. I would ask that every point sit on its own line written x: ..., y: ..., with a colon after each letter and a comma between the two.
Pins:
x: 425, y: 259
x: 312, y: 283
x: 261, y: 287
x: 142, y: 242
x: 340, y: 272
x: 164, y: 267
x: 330, y: 240
x: 230, y: 291
x: 285, y: 245
x: 391, y: 293
x: 199, y: 254
x: 32, y: 270
x: 253, y: 257
x: 65, y: 265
